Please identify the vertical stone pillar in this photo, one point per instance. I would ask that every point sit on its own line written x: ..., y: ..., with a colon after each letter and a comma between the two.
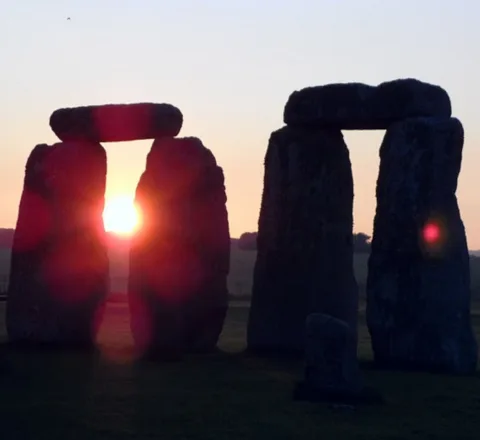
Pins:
x: 180, y: 259
x: 59, y: 266
x: 418, y: 287
x: 305, y: 245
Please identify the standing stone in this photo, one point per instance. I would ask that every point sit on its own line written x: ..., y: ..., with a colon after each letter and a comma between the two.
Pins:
x: 332, y: 372
x: 116, y: 122
x: 180, y: 259
x: 59, y: 265
x: 357, y: 106
x: 418, y: 287
x: 305, y: 244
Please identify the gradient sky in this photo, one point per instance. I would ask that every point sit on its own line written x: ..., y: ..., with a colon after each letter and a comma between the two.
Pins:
x: 229, y: 66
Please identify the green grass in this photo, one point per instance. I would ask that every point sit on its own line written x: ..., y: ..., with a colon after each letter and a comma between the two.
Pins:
x: 224, y: 396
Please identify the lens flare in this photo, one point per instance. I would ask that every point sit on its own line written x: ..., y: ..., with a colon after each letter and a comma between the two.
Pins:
x: 431, y: 233
x: 433, y: 237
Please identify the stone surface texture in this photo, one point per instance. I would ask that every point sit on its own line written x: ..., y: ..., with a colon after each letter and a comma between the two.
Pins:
x: 418, y: 287
x: 180, y: 259
x: 59, y: 267
x: 116, y: 122
x: 331, y: 357
x: 305, y: 247
x: 357, y: 106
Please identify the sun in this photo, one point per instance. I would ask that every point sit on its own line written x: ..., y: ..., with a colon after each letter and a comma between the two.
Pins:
x: 121, y: 216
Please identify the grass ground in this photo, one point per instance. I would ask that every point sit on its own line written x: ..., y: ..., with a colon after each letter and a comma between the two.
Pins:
x: 223, y: 396
x: 45, y: 395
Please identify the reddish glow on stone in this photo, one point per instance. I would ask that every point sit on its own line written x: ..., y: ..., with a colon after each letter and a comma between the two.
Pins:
x: 71, y: 270
x: 431, y: 233
x: 34, y: 222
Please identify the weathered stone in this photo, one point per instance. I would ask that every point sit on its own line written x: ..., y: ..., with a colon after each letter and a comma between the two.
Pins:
x: 332, y: 372
x: 418, y: 286
x: 356, y: 106
x: 4, y: 368
x: 59, y: 266
x: 116, y: 122
x: 305, y: 246
x: 180, y: 259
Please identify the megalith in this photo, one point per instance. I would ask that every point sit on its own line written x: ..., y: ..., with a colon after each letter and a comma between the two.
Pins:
x: 59, y: 265
x: 305, y: 244
x: 418, y: 287
x: 180, y: 258
x: 332, y: 371
x: 116, y: 122
x: 357, y: 106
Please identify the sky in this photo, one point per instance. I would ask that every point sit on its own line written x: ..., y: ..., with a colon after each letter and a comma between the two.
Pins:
x: 230, y: 66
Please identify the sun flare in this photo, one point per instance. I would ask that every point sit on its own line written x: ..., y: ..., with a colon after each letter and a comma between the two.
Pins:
x: 121, y: 216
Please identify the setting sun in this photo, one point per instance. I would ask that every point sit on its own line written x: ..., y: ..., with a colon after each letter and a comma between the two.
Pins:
x: 121, y: 215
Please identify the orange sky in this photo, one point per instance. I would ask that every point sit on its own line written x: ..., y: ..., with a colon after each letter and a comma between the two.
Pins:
x: 230, y: 67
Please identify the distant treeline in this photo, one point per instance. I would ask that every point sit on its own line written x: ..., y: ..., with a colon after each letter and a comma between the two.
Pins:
x: 246, y: 242
x: 6, y: 239
x: 361, y: 242
x: 114, y: 241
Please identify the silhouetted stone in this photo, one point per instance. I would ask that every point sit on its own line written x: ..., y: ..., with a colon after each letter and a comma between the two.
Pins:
x: 418, y: 286
x: 332, y: 373
x: 59, y: 266
x: 180, y: 259
x: 305, y: 246
x: 357, y: 106
x: 116, y: 122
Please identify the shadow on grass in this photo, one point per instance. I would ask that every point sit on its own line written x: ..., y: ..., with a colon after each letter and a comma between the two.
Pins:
x: 46, y: 394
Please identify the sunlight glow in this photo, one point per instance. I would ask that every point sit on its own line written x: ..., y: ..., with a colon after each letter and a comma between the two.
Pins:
x: 431, y: 233
x: 121, y: 216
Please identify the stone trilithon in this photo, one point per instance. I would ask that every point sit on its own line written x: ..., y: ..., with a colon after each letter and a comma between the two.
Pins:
x: 59, y: 277
x: 418, y: 299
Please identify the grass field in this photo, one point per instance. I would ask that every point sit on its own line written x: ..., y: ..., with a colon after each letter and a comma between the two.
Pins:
x: 53, y: 395
x: 48, y: 395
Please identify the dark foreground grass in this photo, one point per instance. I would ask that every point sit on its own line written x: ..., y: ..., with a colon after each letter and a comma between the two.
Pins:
x: 52, y: 395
